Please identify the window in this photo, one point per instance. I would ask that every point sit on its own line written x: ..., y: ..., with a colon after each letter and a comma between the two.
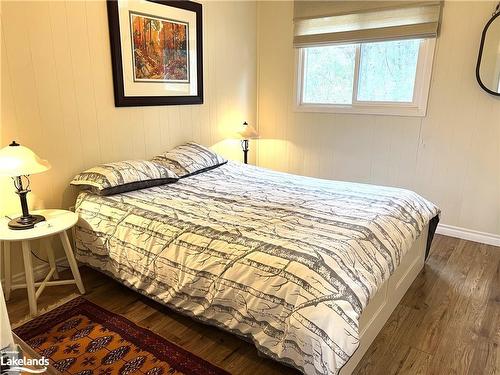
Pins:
x: 385, y: 77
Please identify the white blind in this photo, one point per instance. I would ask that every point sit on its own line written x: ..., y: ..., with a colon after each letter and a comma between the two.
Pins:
x: 327, y: 22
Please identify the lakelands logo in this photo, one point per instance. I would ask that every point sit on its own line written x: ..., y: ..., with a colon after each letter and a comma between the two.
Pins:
x: 13, y: 361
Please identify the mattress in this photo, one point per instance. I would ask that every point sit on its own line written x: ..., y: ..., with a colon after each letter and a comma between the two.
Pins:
x: 288, y: 262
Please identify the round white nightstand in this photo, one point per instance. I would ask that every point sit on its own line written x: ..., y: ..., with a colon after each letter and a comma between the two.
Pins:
x: 56, y: 222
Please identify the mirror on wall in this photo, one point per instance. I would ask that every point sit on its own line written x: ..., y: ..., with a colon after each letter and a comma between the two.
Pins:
x: 488, y: 61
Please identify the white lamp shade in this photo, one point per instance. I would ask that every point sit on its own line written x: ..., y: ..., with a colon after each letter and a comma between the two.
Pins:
x: 17, y: 160
x: 248, y: 132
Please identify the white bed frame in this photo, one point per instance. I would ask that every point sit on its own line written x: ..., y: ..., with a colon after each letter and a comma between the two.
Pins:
x: 380, y: 308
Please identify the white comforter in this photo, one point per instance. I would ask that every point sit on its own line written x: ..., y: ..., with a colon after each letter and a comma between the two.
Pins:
x: 287, y: 261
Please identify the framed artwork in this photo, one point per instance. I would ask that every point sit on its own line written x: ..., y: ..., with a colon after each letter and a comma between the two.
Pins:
x: 156, y: 52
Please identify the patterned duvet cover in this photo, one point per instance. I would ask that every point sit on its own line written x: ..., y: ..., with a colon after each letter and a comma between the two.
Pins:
x: 289, y: 262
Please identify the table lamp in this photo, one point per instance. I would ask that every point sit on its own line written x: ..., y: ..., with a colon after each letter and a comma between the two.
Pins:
x: 246, y: 134
x: 17, y: 161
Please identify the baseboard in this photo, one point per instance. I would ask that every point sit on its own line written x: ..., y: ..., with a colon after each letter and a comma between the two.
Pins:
x: 469, y: 234
x: 39, y: 272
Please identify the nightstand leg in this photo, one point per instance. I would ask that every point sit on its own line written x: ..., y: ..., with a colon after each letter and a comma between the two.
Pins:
x: 71, y: 260
x: 30, y: 280
x: 8, y: 274
x: 51, y: 257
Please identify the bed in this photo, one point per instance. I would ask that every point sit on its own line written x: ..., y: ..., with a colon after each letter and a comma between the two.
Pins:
x: 307, y: 269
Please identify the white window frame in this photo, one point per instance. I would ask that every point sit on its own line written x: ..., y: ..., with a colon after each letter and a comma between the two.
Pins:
x: 418, y: 107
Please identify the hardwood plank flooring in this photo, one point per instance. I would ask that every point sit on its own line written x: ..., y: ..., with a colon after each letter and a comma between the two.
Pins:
x: 447, y: 323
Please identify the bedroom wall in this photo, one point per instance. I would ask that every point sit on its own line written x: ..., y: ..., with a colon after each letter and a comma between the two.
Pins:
x: 57, y: 93
x: 451, y: 156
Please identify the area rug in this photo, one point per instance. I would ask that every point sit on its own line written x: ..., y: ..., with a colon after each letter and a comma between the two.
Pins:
x: 82, y: 338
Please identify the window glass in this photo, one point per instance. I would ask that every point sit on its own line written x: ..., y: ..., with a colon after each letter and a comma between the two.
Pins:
x: 387, y: 71
x: 329, y: 74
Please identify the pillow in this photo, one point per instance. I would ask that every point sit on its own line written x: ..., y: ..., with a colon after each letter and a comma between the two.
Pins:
x: 123, y: 176
x: 189, y: 159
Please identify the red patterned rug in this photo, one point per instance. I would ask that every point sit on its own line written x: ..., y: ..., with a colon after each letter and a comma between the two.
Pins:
x: 82, y: 338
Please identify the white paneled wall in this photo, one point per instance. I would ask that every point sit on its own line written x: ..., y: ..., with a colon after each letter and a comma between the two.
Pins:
x: 451, y: 156
x: 57, y: 92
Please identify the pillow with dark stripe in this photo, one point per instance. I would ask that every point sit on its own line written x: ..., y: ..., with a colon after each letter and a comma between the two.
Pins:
x: 123, y: 176
x: 189, y: 159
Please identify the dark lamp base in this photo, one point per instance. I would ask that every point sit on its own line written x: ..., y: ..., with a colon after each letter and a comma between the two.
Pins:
x: 29, y: 222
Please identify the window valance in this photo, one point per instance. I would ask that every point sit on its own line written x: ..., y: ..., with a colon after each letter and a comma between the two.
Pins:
x: 328, y: 22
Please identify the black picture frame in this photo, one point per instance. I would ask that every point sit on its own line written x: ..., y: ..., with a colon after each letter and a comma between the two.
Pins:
x: 116, y: 59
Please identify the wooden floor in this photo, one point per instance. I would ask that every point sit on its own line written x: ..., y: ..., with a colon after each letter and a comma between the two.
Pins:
x: 447, y: 323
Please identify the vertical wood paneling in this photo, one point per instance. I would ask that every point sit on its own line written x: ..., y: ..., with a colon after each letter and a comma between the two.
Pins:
x: 65, y: 83
x: 152, y: 131
x: 451, y: 156
x: 57, y: 92
x: 49, y: 104
x: 21, y: 74
x: 108, y: 120
x: 9, y: 198
x: 81, y: 63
